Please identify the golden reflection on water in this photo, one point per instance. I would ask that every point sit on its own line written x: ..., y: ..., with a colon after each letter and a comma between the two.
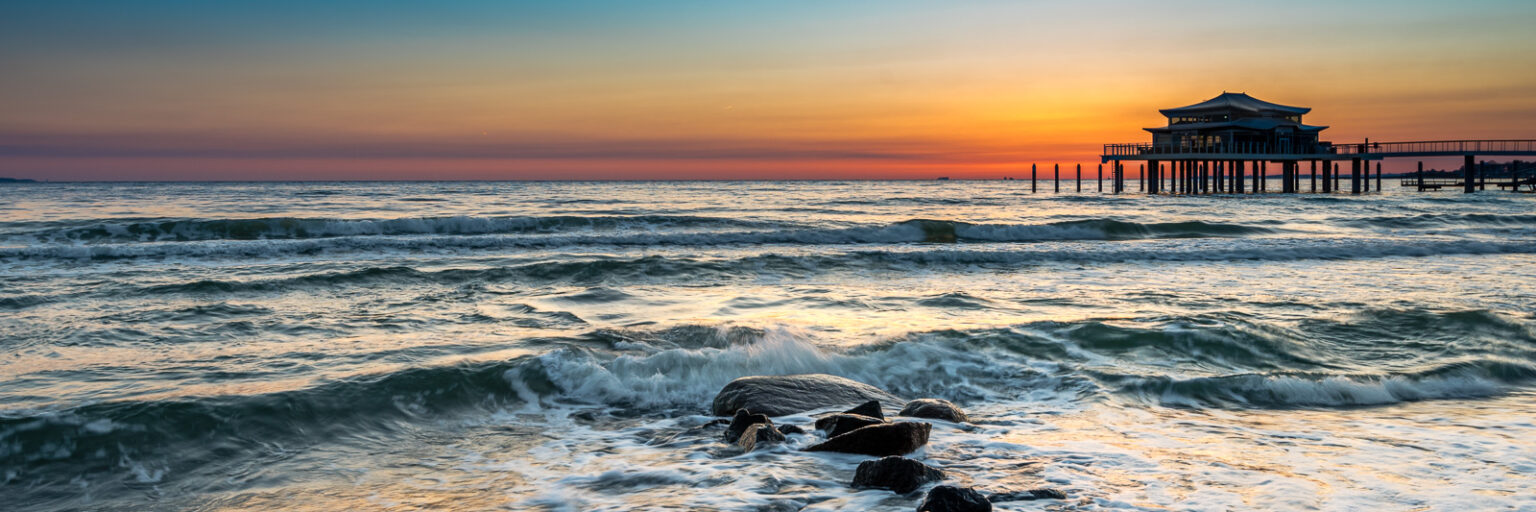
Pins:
x: 1327, y: 454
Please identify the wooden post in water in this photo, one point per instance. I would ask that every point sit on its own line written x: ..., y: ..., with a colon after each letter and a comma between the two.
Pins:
x: 1141, y: 179
x: 1354, y: 175
x: 1032, y: 178
x: 1057, y: 181
x: 1421, y: 175
x: 1189, y: 168
x: 1378, y: 177
x: 1207, y: 168
x: 1469, y: 173
x: 1314, y: 176
x: 1079, y: 178
x: 1336, y: 176
x: 1237, y: 176
x: 1101, y: 178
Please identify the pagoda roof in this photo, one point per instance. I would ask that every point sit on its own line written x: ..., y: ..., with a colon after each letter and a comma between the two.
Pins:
x: 1250, y: 123
x: 1234, y: 101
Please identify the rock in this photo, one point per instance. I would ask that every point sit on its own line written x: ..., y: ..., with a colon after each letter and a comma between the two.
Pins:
x: 741, y: 422
x: 879, y: 440
x: 1030, y: 495
x: 948, y: 498
x: 781, y: 395
x: 898, y: 474
x: 933, y: 408
x: 842, y: 423
x: 756, y: 434
x: 870, y: 408
x: 791, y: 429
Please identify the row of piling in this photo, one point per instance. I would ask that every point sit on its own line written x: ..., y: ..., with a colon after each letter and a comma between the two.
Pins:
x: 1223, y: 177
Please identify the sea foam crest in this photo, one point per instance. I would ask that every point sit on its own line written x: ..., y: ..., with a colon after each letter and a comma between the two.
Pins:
x: 1464, y: 380
x: 680, y: 377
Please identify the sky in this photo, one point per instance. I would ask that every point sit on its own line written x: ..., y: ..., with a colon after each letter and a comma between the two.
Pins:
x: 382, y: 89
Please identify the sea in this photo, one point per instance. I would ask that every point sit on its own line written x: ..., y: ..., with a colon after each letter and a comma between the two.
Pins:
x: 556, y: 345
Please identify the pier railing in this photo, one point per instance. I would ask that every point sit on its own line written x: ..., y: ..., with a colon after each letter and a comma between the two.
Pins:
x: 1470, y: 147
x: 1226, y: 148
x: 1375, y: 149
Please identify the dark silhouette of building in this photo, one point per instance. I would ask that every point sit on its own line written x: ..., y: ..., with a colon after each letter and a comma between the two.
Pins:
x: 1237, y: 121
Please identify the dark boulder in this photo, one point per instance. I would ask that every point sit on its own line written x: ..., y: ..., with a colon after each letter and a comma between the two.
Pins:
x: 791, y: 429
x: 934, y: 408
x: 741, y: 422
x: 948, y: 498
x: 898, y: 474
x: 758, y: 434
x: 870, y: 408
x: 879, y: 440
x: 1030, y: 495
x: 781, y: 395
x: 842, y: 423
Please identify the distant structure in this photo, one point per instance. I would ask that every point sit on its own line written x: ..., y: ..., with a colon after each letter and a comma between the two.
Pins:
x: 1236, y: 120
x: 1209, y: 147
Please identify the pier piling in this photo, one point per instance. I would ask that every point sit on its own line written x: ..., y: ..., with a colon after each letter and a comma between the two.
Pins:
x: 1354, y: 175
x: 1470, y: 166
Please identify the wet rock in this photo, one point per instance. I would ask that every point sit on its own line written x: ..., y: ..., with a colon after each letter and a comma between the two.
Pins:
x: 934, y: 408
x: 839, y: 424
x: 948, y: 498
x: 791, y: 430
x: 743, y: 420
x: 879, y: 440
x: 1030, y: 495
x: 870, y: 408
x: 780, y: 395
x: 759, y: 433
x: 898, y: 474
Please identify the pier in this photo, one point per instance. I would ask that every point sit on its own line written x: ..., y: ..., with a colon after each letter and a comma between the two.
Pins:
x: 1217, y: 145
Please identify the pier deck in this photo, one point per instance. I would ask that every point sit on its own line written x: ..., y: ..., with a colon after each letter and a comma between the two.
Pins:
x: 1221, y: 168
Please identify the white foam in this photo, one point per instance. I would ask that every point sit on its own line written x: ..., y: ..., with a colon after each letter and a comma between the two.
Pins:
x: 690, y: 377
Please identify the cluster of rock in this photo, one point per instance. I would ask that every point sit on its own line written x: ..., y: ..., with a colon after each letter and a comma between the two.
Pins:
x: 863, y: 430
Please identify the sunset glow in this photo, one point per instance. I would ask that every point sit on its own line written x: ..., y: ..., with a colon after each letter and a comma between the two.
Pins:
x: 600, y: 90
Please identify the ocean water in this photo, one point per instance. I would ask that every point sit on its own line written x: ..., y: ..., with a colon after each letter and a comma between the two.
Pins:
x: 555, y: 346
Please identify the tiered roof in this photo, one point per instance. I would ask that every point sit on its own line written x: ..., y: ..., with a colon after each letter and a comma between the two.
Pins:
x: 1234, y: 101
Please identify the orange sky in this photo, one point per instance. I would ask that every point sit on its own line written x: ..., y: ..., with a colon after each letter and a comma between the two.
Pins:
x: 596, y: 90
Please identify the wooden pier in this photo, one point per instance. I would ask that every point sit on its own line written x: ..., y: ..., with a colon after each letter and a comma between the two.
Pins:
x: 1194, y: 170
x: 1215, y: 146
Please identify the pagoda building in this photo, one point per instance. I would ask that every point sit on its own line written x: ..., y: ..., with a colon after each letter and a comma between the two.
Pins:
x: 1236, y: 122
